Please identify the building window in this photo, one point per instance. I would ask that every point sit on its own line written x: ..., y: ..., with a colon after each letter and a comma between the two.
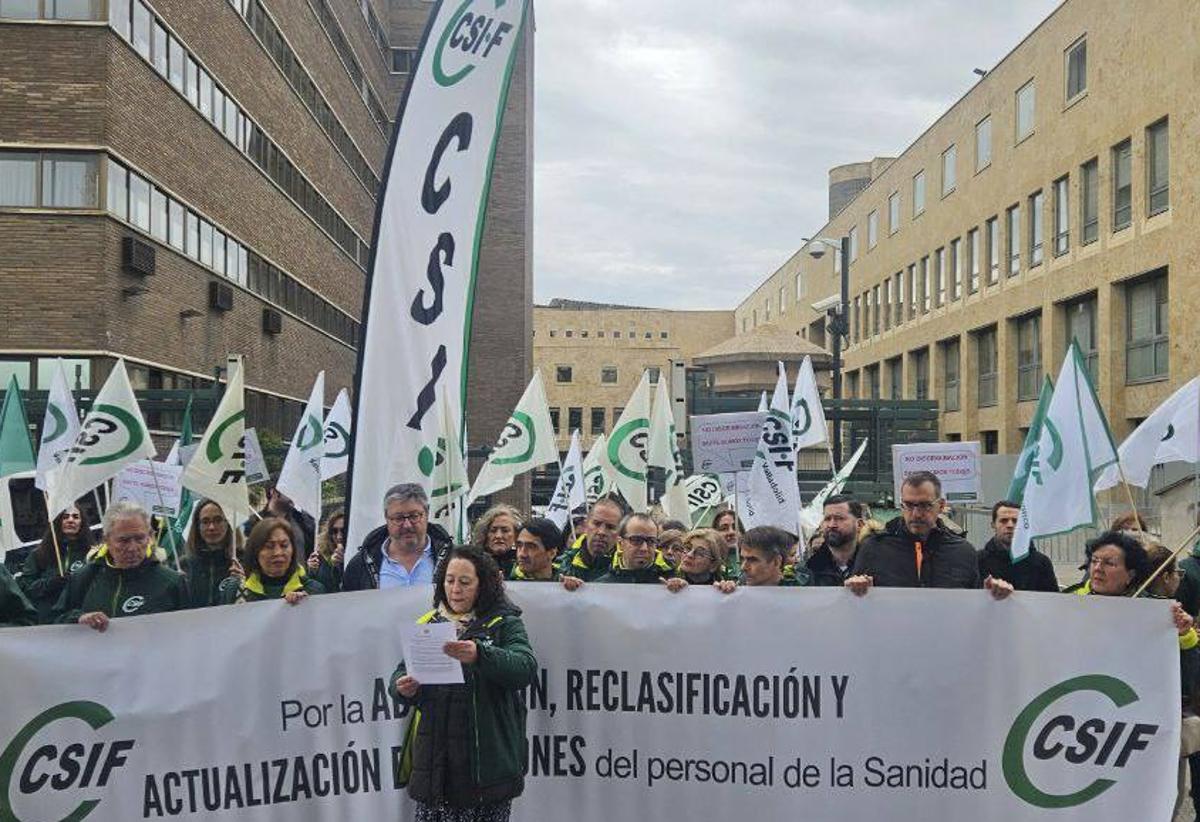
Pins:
x: 949, y: 171
x: 1036, y: 213
x: 886, y: 307
x: 853, y: 243
x: 956, y: 265
x: 940, y: 273
x: 139, y: 202
x: 897, y: 299
x: 18, y: 179
x: 616, y: 414
x: 655, y: 372
x: 991, y: 441
x: 569, y: 333
x: 1029, y: 357
x: 403, y: 60
x: 766, y: 314
x: 985, y: 348
x: 553, y: 333
x: 1158, y: 167
x: 663, y: 335
x: 1077, y: 69
x: 919, y: 193
x: 925, y: 285
x: 116, y: 184
x: 896, y: 378
x: 857, y: 320
x: 875, y: 311
x: 1146, y: 350
x: 68, y: 181
x: 993, y: 250
x: 1014, y: 241
x: 872, y: 372
x: 562, y: 373
x: 950, y: 374
x: 141, y: 29
x: 983, y: 143
x: 973, y: 251
x: 1081, y: 327
x: 912, y: 291
x: 894, y: 212
x: 554, y: 421
x: 920, y: 367
x: 118, y: 17
x: 745, y: 323
x: 799, y: 286
x: 597, y: 421
x: 1026, y: 110
x: 574, y: 419
x: 872, y: 229
x: 1122, y: 159
x: 1062, y: 216
x: 1089, y: 197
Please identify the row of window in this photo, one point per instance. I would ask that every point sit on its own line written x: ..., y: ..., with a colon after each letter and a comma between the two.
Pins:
x: 341, y: 45
x: 50, y: 9
x: 575, y: 420
x: 941, y: 277
x: 139, y: 26
x: 616, y: 335
x: 133, y: 199
x: 1146, y: 351
x: 608, y: 374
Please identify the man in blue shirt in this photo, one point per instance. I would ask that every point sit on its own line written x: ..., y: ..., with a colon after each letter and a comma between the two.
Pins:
x: 405, y: 550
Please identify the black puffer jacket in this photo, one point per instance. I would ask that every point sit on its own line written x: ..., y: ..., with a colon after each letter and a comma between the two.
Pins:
x: 362, y: 572
x: 890, y: 557
x: 1034, y: 573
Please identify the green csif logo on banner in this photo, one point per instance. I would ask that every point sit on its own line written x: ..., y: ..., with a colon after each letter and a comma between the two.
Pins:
x: 110, y: 434
x: 82, y: 765
x: 1079, y: 744
x: 474, y: 30
x: 336, y: 433
x: 627, y: 448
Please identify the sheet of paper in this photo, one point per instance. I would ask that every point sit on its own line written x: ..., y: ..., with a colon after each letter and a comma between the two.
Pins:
x: 424, y: 659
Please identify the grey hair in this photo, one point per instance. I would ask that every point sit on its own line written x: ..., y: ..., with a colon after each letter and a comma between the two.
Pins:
x: 124, y: 509
x: 405, y: 492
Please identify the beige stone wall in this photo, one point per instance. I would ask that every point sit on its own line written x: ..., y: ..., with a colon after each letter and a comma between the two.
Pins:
x: 630, y: 340
x: 1141, y: 64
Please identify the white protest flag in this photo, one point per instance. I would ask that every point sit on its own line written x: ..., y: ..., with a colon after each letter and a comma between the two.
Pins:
x: 336, y: 458
x: 597, y: 472
x: 704, y: 493
x: 1170, y: 434
x: 300, y: 476
x: 568, y: 493
x: 808, y: 416
x: 113, y: 435
x: 628, y: 444
x: 526, y: 442
x: 1074, y: 445
x: 425, y: 259
x: 764, y: 404
x: 60, y: 429
x: 664, y: 454
x: 774, y: 496
x: 447, y: 497
x: 217, y: 469
x: 812, y: 514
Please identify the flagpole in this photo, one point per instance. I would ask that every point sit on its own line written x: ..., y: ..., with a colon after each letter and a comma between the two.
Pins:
x: 1186, y: 542
x: 162, y: 503
x: 54, y: 534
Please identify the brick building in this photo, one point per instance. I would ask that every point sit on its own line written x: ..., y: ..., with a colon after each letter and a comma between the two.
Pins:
x: 184, y: 179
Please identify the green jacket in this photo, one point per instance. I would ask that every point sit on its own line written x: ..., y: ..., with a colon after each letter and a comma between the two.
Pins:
x: 637, y: 576
x: 149, y: 588
x: 43, y: 586
x: 207, y: 573
x: 576, y: 562
x: 519, y: 575
x: 465, y: 744
x: 15, y: 608
x: 256, y: 588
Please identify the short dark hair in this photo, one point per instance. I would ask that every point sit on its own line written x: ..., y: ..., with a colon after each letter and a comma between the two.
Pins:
x: 259, y: 534
x: 918, y: 478
x: 608, y: 499
x: 768, y: 539
x: 1004, y: 503
x: 1137, y: 560
x: 673, y: 525
x: 547, y: 531
x: 636, y: 517
x: 491, y: 583
x: 737, y: 525
x: 854, y: 505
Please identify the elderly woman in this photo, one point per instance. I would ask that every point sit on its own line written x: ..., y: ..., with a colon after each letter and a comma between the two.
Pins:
x: 496, y: 532
x: 464, y: 750
x: 325, y: 564
x: 40, y: 579
x: 211, y: 554
x: 273, y: 567
x: 126, y: 576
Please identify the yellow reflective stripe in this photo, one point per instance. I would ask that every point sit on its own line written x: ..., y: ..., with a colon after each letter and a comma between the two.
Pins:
x: 1189, y: 640
x: 494, y: 621
x: 427, y: 617
x: 254, y: 585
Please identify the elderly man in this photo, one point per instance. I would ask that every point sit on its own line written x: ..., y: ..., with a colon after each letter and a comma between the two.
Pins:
x: 915, y: 551
x: 402, y: 552
x: 591, y: 556
x: 126, y: 576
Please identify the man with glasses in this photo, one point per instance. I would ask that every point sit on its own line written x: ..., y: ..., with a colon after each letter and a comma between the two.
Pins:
x: 638, y: 560
x: 1033, y: 573
x: 915, y: 551
x: 402, y: 552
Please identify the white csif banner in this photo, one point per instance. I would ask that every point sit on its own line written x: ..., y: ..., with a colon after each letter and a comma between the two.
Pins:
x: 903, y: 705
x: 428, y: 229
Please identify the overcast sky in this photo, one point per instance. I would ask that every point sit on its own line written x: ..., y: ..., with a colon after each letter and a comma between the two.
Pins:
x: 683, y: 148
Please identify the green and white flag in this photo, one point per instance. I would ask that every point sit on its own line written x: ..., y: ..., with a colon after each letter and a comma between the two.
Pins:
x: 300, y: 476
x: 808, y: 416
x: 764, y: 405
x: 16, y: 449
x: 449, y: 482
x: 525, y: 443
x: 704, y: 495
x: 774, y: 496
x: 597, y: 472
x: 1016, y: 488
x: 217, y: 470
x: 113, y: 435
x: 60, y: 428
x: 1074, y: 445
x: 629, y: 444
x: 568, y: 492
x: 664, y: 454
x: 1170, y: 434
x: 336, y: 458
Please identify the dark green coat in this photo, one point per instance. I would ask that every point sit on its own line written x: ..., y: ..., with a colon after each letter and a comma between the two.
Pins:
x: 15, y: 607
x: 256, y: 588
x: 206, y: 573
x: 328, y: 574
x: 43, y: 586
x: 465, y: 744
x: 577, y: 562
x: 149, y: 588
x: 519, y: 575
x: 637, y: 576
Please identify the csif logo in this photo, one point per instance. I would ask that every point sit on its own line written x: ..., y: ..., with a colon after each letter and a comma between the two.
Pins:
x: 627, y: 448
x: 1078, y: 744
x: 336, y: 433
x: 799, y: 430
x: 81, y: 765
x: 517, y: 440
x: 475, y: 29
x: 110, y: 434
x: 224, y: 442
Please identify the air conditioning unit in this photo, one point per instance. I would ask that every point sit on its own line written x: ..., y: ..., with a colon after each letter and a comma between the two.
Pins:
x: 220, y: 296
x: 272, y: 321
x: 137, y: 257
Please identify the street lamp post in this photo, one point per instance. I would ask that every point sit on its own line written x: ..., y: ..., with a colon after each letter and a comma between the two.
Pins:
x: 838, y: 325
